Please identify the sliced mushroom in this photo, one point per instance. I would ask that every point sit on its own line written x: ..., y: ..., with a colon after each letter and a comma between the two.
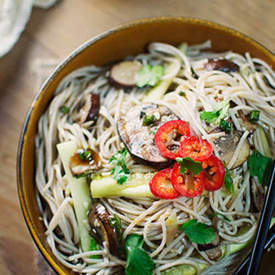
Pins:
x: 223, y: 65
x: 82, y: 166
x: 90, y: 110
x: 212, y: 250
x: 99, y: 221
x: 227, y: 145
x: 257, y: 196
x: 137, y: 132
x: 124, y: 73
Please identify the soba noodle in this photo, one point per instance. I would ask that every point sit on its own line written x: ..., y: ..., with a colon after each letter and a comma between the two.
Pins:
x: 248, y: 89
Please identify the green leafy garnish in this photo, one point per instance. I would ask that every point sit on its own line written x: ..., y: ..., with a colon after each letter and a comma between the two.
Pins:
x: 153, y: 132
x: 258, y: 164
x: 198, y: 232
x: 254, y: 116
x: 181, y: 93
x: 138, y: 261
x: 187, y: 163
x: 217, y: 114
x: 64, y: 109
x: 226, y: 126
x: 149, y: 75
x: 93, y: 247
x: 120, y: 172
x: 228, y: 181
x: 115, y: 222
x: 86, y: 155
x: 220, y: 216
x: 150, y: 119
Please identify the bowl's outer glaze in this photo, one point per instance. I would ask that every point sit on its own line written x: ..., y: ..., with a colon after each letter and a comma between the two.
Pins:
x: 108, y: 47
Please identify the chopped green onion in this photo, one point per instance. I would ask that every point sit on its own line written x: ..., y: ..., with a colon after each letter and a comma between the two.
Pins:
x: 254, y: 116
x: 182, y: 93
x: 64, y: 109
x: 226, y: 126
x: 151, y: 119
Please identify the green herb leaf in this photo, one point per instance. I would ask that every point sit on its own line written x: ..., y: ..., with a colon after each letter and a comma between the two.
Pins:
x: 86, y: 155
x: 217, y: 114
x: 228, y: 181
x: 115, y: 222
x: 258, y: 165
x: 226, y: 126
x: 254, y: 116
x: 220, y: 216
x: 153, y: 132
x: 120, y: 172
x: 133, y: 241
x: 93, y: 247
x: 138, y: 261
x: 149, y: 75
x: 209, y: 116
x: 150, y: 119
x: 187, y: 163
x: 198, y: 232
x: 181, y: 93
x: 64, y: 109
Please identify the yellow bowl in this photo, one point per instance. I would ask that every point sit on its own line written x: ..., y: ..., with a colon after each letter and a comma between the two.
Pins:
x: 105, y: 48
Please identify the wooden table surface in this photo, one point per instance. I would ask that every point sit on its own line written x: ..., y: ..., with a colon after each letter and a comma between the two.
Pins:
x: 53, y: 34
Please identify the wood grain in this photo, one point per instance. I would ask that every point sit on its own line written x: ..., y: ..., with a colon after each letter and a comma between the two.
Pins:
x: 53, y: 34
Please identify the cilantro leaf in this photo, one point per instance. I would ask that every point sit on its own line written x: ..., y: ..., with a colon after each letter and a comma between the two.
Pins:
x: 209, y: 116
x: 120, y: 172
x: 226, y: 126
x: 258, y: 164
x: 133, y: 241
x: 149, y: 75
x: 64, y: 109
x: 254, y: 116
x: 228, y: 181
x: 198, y: 232
x: 187, y: 163
x: 138, y: 261
x: 115, y: 222
x: 217, y: 114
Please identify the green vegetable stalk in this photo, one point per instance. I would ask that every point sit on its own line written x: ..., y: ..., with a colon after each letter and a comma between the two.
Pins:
x: 80, y: 195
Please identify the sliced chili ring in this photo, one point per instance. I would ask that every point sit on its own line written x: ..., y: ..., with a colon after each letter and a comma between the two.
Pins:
x: 214, y: 173
x: 161, y: 186
x: 196, y: 148
x: 187, y: 185
x: 168, y: 137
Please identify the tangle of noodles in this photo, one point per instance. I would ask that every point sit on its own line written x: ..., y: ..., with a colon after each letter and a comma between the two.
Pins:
x: 248, y: 89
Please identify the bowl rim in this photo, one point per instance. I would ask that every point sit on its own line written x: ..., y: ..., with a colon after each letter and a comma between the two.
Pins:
x: 20, y: 190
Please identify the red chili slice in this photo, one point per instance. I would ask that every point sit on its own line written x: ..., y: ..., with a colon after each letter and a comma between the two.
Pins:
x: 195, y: 148
x: 168, y: 137
x: 188, y: 185
x: 161, y: 186
x: 214, y: 173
